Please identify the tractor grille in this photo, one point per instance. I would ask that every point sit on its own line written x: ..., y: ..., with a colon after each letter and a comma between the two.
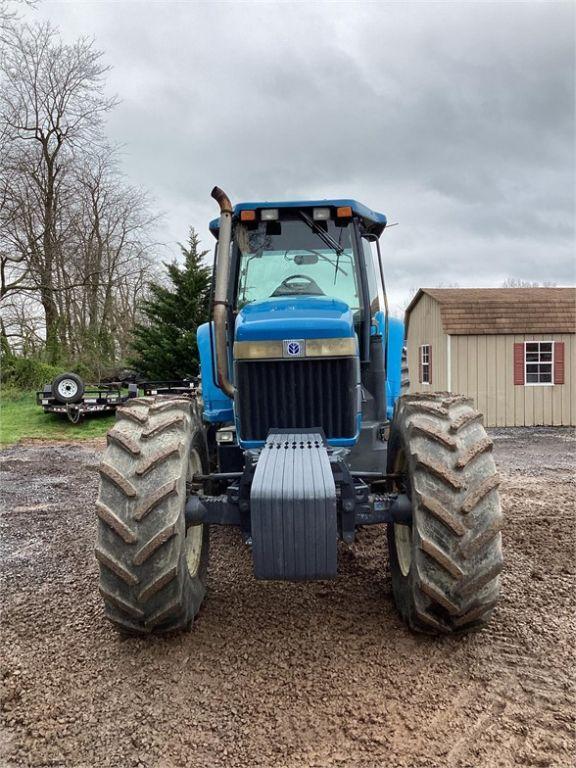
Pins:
x: 288, y: 394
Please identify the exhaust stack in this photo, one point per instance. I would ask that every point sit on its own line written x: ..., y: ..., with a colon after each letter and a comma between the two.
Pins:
x: 221, y: 289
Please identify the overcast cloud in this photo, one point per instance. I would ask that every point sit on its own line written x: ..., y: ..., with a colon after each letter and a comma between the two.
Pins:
x: 454, y: 119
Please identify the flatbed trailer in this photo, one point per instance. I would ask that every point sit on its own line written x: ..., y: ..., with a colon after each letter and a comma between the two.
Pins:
x: 187, y: 387
x: 98, y: 399
x: 107, y: 397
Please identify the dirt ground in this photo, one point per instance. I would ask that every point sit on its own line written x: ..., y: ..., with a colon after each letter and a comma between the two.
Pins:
x: 281, y: 675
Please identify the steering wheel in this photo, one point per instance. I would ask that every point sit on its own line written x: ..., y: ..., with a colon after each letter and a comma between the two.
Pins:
x: 309, y: 286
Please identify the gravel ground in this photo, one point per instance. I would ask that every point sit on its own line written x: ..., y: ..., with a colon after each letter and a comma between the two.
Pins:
x: 281, y: 675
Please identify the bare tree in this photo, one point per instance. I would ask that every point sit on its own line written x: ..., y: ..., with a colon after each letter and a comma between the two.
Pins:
x: 514, y: 282
x: 113, y: 255
x: 22, y: 324
x: 75, y: 249
x: 52, y: 103
x: 9, y: 16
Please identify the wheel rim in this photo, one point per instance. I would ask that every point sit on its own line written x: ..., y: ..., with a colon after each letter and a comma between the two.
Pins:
x: 67, y: 388
x: 195, y: 533
x: 402, y: 533
x: 403, y: 542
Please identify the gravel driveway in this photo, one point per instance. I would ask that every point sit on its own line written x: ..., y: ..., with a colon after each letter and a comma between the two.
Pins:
x: 281, y: 675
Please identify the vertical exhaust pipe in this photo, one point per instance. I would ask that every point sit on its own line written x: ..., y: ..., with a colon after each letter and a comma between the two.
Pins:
x: 221, y: 289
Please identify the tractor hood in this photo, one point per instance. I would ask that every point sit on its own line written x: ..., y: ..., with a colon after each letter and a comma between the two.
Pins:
x: 302, y: 317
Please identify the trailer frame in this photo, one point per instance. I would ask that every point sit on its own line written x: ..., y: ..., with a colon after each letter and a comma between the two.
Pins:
x: 97, y: 399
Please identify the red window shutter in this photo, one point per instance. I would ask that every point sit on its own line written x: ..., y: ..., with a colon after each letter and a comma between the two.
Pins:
x: 430, y: 363
x: 558, y: 362
x: 519, y: 363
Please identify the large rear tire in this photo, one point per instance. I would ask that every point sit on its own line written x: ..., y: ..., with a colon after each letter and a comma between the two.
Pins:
x: 404, y: 373
x: 446, y: 565
x: 152, y: 569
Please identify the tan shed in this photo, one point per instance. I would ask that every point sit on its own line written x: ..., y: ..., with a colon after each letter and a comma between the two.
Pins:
x: 511, y: 349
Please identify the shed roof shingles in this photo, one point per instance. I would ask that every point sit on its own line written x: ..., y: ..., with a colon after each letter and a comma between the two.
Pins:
x: 477, y: 311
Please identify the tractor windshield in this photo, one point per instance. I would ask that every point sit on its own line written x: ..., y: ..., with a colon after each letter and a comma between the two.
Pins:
x: 293, y: 258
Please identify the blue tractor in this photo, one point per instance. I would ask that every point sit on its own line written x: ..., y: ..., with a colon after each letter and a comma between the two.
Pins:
x: 300, y: 432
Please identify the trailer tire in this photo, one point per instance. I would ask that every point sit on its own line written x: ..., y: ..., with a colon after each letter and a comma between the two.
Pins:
x: 152, y: 569
x: 68, y: 388
x: 445, y: 566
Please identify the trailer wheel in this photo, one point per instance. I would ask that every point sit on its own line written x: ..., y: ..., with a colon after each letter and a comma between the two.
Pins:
x: 152, y: 569
x: 446, y: 564
x: 68, y: 388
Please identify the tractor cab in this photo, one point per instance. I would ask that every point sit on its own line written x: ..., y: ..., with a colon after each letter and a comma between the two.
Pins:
x: 308, y: 340
x: 313, y: 248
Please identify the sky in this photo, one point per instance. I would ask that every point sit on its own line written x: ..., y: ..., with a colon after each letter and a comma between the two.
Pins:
x: 455, y: 119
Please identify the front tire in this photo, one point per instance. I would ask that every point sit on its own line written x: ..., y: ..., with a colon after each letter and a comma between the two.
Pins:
x: 152, y: 569
x: 446, y: 565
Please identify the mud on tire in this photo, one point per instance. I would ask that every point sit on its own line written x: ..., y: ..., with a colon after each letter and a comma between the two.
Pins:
x: 446, y: 565
x: 152, y: 571
x: 404, y: 372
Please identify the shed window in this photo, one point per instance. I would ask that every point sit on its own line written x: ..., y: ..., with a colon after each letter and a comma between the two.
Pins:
x: 425, y: 359
x: 539, y: 362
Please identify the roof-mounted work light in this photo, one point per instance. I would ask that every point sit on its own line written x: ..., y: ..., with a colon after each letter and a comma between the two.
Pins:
x: 321, y: 214
x: 269, y: 214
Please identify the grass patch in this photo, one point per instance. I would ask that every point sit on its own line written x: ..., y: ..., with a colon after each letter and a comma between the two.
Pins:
x: 21, y: 418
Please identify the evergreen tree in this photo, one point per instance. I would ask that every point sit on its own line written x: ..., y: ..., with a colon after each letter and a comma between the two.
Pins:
x: 164, y: 343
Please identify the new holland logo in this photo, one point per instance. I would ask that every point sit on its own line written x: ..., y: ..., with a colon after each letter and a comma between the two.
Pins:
x: 294, y: 347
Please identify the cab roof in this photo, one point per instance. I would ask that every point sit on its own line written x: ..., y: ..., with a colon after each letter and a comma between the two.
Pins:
x: 373, y: 221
